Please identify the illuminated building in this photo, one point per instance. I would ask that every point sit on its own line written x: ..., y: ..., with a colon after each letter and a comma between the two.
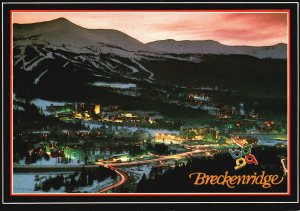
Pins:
x: 168, y: 138
x: 97, y: 109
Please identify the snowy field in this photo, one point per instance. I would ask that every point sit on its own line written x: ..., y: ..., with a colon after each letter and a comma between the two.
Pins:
x: 50, y: 162
x: 40, y: 103
x: 25, y: 182
x: 44, y: 103
x: 115, y: 85
x: 271, y: 142
x: 138, y: 171
x: 133, y: 129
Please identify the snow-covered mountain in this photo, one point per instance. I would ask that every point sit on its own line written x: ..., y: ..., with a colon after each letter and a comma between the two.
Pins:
x: 60, y: 55
x: 60, y: 32
x: 214, y: 47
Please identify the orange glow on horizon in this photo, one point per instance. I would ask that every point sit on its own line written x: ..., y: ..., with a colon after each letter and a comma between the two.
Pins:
x: 232, y: 28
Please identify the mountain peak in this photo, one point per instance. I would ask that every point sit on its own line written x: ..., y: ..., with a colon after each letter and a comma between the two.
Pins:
x: 61, y: 19
x: 61, y: 31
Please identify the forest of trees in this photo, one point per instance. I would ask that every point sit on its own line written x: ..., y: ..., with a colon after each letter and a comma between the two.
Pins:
x: 177, y: 179
x: 72, y: 182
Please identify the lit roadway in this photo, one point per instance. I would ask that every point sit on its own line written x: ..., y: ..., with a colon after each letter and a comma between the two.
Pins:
x: 123, y: 177
x: 161, y: 158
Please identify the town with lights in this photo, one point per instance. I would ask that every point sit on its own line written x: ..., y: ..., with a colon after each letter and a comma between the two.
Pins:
x: 108, y: 149
x: 99, y: 111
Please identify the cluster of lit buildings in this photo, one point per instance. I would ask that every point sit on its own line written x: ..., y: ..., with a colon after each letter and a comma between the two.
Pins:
x: 190, y: 134
x: 70, y: 111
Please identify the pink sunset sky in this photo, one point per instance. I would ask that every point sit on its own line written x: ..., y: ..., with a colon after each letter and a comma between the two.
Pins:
x: 242, y: 28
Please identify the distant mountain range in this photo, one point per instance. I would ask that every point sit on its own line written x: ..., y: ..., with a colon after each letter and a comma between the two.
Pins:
x: 63, y: 32
x: 214, y: 47
x: 60, y: 55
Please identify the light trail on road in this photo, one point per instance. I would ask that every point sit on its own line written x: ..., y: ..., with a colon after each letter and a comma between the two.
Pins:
x: 168, y: 157
x: 123, y: 178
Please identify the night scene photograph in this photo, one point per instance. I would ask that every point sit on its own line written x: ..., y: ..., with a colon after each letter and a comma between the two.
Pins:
x: 115, y: 102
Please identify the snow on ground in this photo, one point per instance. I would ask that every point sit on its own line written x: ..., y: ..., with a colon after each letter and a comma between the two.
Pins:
x: 66, y: 64
x: 34, y: 64
x: 19, y: 108
x: 38, y: 78
x: 143, y: 68
x: 50, y: 162
x: 37, y: 50
x: 92, y: 125
x: 138, y: 171
x: 117, y: 51
x: 151, y: 131
x: 20, y: 58
x: 108, y: 66
x: 97, y: 186
x: 210, y: 108
x: 66, y: 58
x: 133, y: 129
x: 114, y: 85
x: 40, y: 103
x: 25, y: 182
x: 134, y: 70
x: 98, y: 75
x: 27, y: 63
x: 271, y: 142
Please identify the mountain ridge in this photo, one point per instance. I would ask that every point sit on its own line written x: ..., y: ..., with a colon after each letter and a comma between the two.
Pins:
x: 278, y: 51
x: 61, y: 31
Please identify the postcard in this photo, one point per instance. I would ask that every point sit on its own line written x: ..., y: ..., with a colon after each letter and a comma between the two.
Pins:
x: 191, y: 103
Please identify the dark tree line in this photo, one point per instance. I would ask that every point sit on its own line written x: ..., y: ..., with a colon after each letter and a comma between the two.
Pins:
x: 76, y: 180
x: 177, y: 179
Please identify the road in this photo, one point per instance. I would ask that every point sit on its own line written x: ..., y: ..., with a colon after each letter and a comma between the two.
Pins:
x: 123, y: 177
x: 162, y: 158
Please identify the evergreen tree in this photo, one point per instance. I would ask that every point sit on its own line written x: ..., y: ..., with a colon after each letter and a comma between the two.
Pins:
x: 46, y: 185
x: 56, y: 182
x: 28, y: 158
x: 144, y: 178
x: 73, y: 183
x: 152, y: 173
x: 68, y: 187
x: 36, y: 187
x: 114, y: 175
x: 83, y: 177
x: 86, y: 159
x: 90, y: 178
